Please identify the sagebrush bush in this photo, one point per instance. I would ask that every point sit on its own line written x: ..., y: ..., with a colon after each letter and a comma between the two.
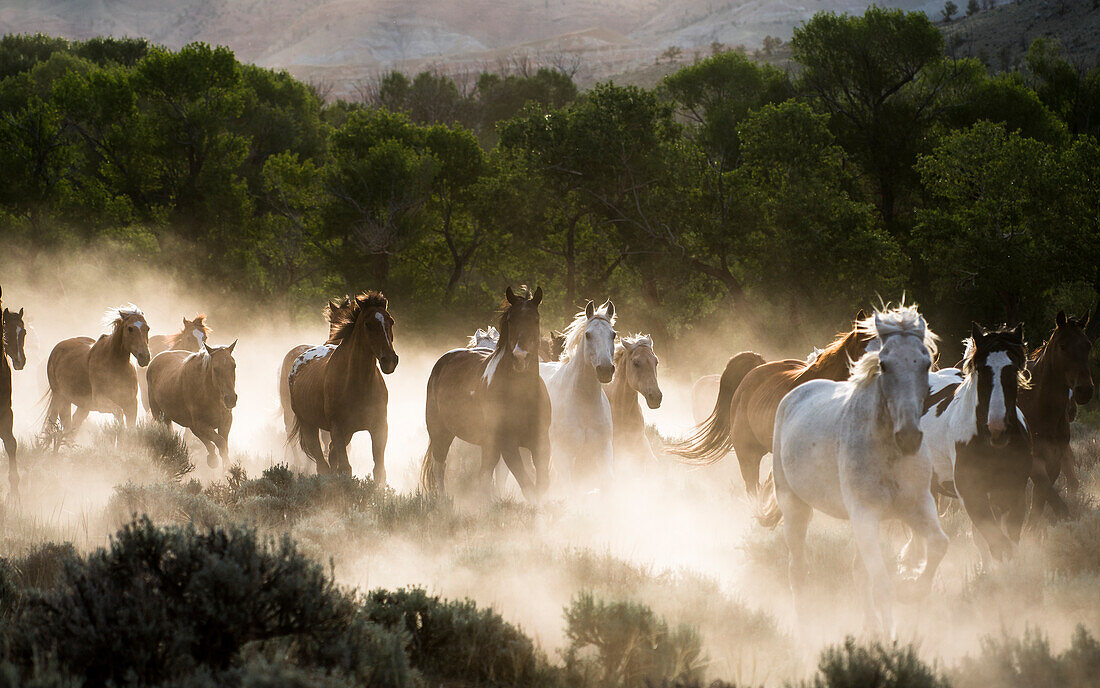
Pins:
x: 852, y: 665
x: 1028, y: 662
x: 456, y: 641
x: 1073, y: 547
x: 163, y: 604
x: 623, y: 643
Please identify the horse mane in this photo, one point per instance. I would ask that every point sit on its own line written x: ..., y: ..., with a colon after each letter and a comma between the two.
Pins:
x: 836, y: 357
x: 342, y: 316
x: 183, y: 335
x: 114, y: 317
x: 576, y: 328
x: 903, y: 319
x: 629, y: 343
x: 490, y: 333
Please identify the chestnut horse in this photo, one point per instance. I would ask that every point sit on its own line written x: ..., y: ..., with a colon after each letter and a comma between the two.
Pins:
x: 338, y: 386
x: 1059, y: 370
x: 750, y: 391
x: 496, y: 400
x: 190, y: 338
x: 635, y: 373
x: 11, y: 346
x: 96, y: 375
x: 197, y: 391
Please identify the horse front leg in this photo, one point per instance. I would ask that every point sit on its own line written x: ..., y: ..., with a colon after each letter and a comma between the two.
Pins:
x: 338, y: 451
x: 209, y: 438
x: 515, y: 464
x: 540, y: 457
x: 925, y: 522
x: 1069, y: 467
x: 7, y: 420
x: 378, y: 438
x: 222, y: 441
x: 310, y: 442
x: 865, y: 531
x: 969, y: 483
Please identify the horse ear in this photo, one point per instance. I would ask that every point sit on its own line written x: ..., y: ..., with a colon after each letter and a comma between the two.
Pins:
x: 1084, y: 320
x: 1018, y: 332
x: 1060, y: 319
x: 610, y: 308
x: 232, y: 346
x: 21, y: 315
x: 976, y: 331
x: 590, y: 309
x: 510, y: 295
x: 537, y: 298
x: 861, y: 315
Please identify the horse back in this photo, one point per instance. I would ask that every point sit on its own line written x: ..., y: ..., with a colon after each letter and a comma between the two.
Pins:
x: 67, y: 367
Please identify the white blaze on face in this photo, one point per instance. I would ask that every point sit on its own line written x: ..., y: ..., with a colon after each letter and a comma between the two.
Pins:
x: 519, y: 352
x: 139, y: 324
x: 996, y: 363
x: 382, y: 321
x: 197, y: 334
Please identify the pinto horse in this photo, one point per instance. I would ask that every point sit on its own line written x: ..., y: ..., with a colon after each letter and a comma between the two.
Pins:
x: 1060, y: 378
x: 96, y: 375
x: 190, y: 338
x: 11, y: 346
x: 197, y: 391
x: 495, y: 400
x: 743, y: 418
x: 635, y: 373
x: 338, y: 387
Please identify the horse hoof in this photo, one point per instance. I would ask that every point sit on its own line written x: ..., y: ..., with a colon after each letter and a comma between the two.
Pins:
x: 212, y: 460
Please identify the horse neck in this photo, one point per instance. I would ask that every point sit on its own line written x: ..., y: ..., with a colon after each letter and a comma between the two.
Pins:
x: 579, y: 372
x: 116, y: 345
x: 831, y: 364
x: 356, y: 353
x: 1047, y: 382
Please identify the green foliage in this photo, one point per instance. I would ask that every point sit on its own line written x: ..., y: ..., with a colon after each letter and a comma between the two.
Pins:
x: 625, y: 644
x: 1029, y: 661
x: 456, y: 641
x: 874, y: 666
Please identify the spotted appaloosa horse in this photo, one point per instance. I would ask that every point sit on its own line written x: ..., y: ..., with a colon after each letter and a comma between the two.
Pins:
x: 338, y: 387
x: 494, y: 399
x: 96, y: 374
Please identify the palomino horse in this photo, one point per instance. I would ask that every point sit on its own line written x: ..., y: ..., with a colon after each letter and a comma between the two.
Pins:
x: 635, y: 373
x: 744, y: 414
x: 495, y: 400
x: 96, y: 375
x: 977, y: 439
x: 852, y: 450
x: 338, y: 386
x: 580, y: 432
x: 11, y: 346
x: 190, y: 338
x: 1059, y: 370
x: 197, y: 391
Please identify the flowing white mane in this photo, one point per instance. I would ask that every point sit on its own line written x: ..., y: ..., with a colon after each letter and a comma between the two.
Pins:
x: 114, y: 316
x: 903, y: 319
x: 574, y: 334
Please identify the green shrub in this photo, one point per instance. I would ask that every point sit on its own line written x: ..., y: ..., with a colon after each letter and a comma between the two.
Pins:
x: 625, y: 644
x: 1028, y: 661
x: 456, y: 641
x: 874, y: 666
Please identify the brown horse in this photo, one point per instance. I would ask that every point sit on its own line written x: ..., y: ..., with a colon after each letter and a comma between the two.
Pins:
x: 635, y: 373
x: 190, y: 338
x: 1059, y: 369
x: 493, y: 399
x: 338, y: 386
x: 96, y: 375
x: 11, y: 346
x: 198, y: 392
x: 749, y: 394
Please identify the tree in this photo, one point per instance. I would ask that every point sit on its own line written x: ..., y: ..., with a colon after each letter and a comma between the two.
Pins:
x: 1072, y: 92
x: 880, y: 77
x: 949, y: 10
x: 972, y: 8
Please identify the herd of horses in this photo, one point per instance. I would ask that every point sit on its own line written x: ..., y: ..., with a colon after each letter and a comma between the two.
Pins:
x: 865, y: 429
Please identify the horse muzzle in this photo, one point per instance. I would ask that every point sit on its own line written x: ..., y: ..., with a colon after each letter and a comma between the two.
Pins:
x: 18, y: 363
x: 521, y: 363
x: 604, y: 373
x: 908, y: 440
x: 229, y: 400
x: 143, y: 359
x: 1082, y: 395
x: 654, y: 400
x: 388, y: 364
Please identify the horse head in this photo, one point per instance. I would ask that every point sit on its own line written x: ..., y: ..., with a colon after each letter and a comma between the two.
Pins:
x: 519, y: 327
x: 15, y: 334
x: 997, y: 358
x: 1070, y: 348
x: 903, y: 364
x: 598, y: 342
x: 638, y: 363
x: 222, y: 368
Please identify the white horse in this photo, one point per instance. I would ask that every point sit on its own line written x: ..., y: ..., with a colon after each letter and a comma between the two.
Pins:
x: 852, y: 450
x: 484, y: 339
x: 580, y: 426
x: 977, y: 440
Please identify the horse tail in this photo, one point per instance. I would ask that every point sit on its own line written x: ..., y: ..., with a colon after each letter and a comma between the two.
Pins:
x: 712, y: 438
x: 766, y: 511
x: 427, y: 472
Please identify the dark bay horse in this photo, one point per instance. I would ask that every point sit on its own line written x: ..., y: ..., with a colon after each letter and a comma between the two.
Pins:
x: 635, y: 373
x: 338, y: 386
x: 1059, y: 369
x: 96, y: 374
x: 191, y: 338
x: 11, y: 346
x: 749, y: 393
x: 197, y: 391
x: 495, y: 400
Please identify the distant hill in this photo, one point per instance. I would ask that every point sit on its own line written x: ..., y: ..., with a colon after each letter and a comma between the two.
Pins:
x: 343, y: 43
